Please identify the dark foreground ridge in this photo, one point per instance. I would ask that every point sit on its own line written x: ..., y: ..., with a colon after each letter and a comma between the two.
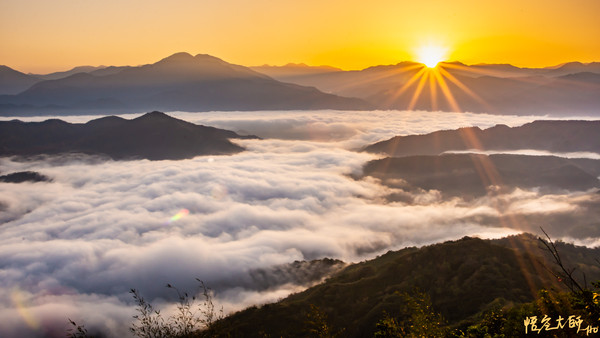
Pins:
x: 153, y: 136
x: 468, y: 281
x: 553, y: 136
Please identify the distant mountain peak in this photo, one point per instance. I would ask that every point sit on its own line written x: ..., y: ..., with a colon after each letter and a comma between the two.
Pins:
x: 155, y: 115
x: 106, y: 120
x: 566, y: 64
x: 301, y: 65
x: 185, y: 62
x: 85, y: 69
x: 177, y: 57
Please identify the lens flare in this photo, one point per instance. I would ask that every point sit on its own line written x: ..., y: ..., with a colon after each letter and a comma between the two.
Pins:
x: 179, y: 215
x: 19, y: 300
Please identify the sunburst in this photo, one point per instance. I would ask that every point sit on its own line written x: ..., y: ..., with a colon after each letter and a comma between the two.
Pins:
x: 431, y: 55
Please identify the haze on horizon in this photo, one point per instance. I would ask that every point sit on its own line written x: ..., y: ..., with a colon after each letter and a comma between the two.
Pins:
x: 41, y: 37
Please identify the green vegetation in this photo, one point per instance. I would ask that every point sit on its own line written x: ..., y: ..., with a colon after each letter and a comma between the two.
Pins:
x: 421, y: 320
x: 193, y: 315
x: 480, y: 287
x: 190, y: 317
x: 77, y: 331
x: 464, y: 288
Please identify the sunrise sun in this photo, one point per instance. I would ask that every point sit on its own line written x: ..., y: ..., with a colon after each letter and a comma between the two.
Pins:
x: 431, y: 55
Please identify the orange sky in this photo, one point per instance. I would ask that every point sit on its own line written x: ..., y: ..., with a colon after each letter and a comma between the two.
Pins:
x: 50, y: 35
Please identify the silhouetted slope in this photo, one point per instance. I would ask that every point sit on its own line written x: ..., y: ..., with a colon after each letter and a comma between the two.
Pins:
x: 592, y: 78
x: 573, y: 68
x: 554, y: 136
x: 471, y: 175
x: 462, y: 277
x: 495, y: 70
x: 153, y: 136
x: 14, y: 82
x: 178, y: 82
x: 508, y: 70
x: 76, y: 70
x: 355, y: 83
x: 537, y: 95
x: 109, y: 70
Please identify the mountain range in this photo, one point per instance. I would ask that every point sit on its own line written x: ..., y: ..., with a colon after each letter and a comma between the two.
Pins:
x: 178, y: 82
x: 427, y: 161
x: 13, y: 82
x: 153, y: 136
x: 553, y: 136
x: 473, y: 175
x: 569, y: 89
x: 203, y: 82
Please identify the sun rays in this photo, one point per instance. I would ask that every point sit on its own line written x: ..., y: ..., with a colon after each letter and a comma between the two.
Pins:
x: 436, y: 77
x: 433, y: 81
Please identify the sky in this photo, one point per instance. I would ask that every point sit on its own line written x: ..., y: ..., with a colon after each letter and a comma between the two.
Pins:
x: 73, y: 247
x: 41, y: 36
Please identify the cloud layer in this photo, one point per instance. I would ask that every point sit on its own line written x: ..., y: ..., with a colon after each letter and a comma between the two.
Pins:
x: 75, y: 246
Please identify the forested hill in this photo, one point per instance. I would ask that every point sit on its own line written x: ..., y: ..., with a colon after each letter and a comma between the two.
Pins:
x: 463, y: 278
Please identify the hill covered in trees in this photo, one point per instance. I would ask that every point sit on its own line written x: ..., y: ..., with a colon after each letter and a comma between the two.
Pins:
x: 453, y: 288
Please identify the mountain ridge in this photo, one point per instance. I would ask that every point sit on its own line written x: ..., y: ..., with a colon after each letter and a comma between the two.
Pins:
x: 153, y: 136
x: 13, y: 81
x: 203, y: 82
x: 178, y: 82
x: 461, y: 174
x: 551, y: 135
x: 464, y: 278
x: 483, y: 88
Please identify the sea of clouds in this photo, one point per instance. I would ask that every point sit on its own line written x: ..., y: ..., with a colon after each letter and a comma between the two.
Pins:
x: 74, y: 247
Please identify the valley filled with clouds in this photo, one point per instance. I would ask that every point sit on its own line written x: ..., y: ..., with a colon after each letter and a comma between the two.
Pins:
x: 74, y: 246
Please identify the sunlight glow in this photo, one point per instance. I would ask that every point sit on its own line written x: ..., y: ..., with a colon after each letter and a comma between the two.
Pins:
x: 431, y: 55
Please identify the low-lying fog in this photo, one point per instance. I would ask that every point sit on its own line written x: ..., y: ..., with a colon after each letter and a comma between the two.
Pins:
x: 73, y: 247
